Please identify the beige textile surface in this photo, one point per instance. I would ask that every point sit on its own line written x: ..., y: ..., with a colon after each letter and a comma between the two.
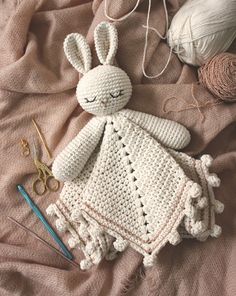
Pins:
x: 37, y: 81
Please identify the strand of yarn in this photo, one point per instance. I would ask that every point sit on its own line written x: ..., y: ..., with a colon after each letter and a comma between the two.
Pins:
x: 147, y: 27
x: 201, y: 29
x: 146, y: 41
x: 120, y: 18
x: 191, y: 106
x: 218, y: 75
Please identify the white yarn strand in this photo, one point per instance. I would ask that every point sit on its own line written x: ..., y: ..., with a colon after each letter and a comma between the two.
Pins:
x: 147, y: 27
x: 146, y: 41
x: 166, y: 17
x: 144, y: 58
x: 121, y: 18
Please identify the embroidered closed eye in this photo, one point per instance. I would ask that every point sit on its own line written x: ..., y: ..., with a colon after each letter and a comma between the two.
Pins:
x: 117, y: 93
x: 90, y: 100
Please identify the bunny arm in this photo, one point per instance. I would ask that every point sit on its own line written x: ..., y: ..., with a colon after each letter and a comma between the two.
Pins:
x: 169, y: 133
x: 70, y: 162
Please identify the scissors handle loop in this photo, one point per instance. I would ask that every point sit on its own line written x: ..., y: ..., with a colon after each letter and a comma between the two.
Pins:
x: 39, y: 187
x: 52, y: 184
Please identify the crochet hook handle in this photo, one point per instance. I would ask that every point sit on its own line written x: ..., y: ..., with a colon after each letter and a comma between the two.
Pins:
x: 36, y: 210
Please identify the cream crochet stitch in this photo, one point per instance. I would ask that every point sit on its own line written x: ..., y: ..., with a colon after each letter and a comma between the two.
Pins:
x: 124, y: 182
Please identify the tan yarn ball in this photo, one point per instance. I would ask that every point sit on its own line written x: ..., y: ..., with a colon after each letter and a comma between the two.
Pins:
x: 218, y: 75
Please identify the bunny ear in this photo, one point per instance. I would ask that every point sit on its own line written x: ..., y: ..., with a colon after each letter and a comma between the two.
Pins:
x: 78, y: 52
x: 106, y: 42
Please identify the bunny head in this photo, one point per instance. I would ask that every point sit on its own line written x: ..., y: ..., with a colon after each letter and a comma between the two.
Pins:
x: 105, y: 89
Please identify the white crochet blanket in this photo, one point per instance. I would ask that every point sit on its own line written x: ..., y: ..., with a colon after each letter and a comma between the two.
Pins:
x: 134, y: 191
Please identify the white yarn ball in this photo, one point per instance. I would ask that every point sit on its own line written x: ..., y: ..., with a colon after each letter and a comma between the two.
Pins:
x: 104, y: 90
x: 202, y: 29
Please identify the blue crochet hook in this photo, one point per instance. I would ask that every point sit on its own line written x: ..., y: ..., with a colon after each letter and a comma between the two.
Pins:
x: 36, y: 210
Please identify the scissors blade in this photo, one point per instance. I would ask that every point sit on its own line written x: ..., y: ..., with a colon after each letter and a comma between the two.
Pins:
x: 35, y: 151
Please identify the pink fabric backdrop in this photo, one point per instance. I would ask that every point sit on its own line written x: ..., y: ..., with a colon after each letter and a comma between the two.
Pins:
x: 36, y: 81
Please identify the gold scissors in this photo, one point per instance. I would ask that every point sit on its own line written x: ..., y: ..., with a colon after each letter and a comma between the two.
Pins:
x: 45, y: 180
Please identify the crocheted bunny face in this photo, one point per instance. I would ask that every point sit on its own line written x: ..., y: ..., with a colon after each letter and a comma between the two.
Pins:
x: 105, y: 89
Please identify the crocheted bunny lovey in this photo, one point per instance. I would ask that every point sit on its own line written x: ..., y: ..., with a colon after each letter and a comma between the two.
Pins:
x: 124, y: 182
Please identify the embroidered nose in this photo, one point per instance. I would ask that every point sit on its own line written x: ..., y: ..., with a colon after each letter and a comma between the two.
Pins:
x: 104, y: 102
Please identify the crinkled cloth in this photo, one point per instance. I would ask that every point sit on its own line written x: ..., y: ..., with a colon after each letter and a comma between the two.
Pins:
x: 37, y: 81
